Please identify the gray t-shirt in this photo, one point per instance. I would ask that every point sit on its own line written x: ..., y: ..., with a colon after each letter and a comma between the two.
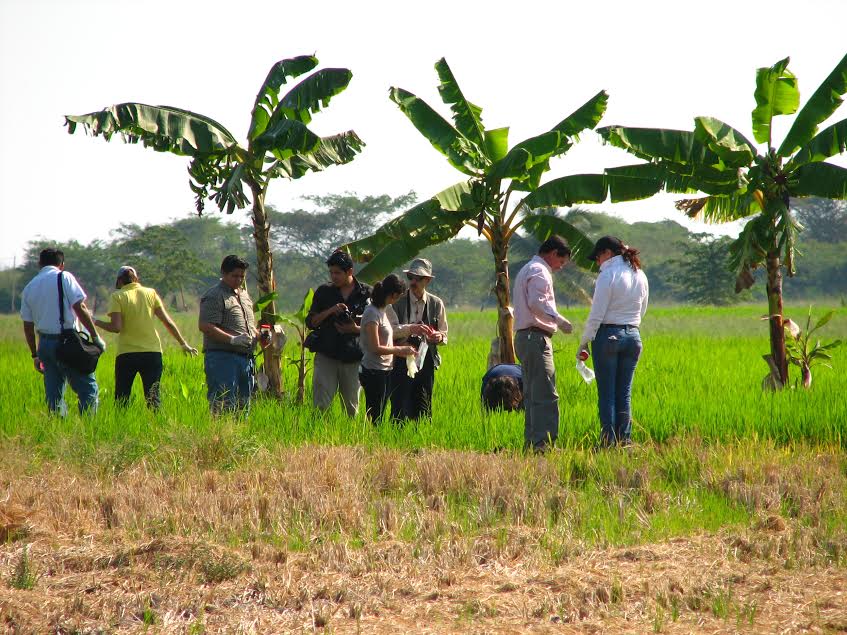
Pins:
x: 370, y: 359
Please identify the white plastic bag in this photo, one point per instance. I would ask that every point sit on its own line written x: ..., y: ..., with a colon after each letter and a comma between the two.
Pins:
x: 585, y: 372
x: 415, y: 362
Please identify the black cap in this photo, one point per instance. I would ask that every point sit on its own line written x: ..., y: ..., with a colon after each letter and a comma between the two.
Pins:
x: 606, y: 242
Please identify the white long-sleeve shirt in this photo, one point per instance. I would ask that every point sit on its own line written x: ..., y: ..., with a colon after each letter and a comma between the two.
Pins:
x: 620, y: 297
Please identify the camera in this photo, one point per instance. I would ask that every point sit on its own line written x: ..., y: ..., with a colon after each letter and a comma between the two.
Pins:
x: 345, y: 317
x: 414, y: 340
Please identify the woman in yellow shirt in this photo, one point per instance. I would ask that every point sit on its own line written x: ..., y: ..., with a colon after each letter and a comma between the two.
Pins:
x: 132, y: 309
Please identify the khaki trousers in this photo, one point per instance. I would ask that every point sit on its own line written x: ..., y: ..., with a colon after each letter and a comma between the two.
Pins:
x: 330, y: 376
x: 541, y: 401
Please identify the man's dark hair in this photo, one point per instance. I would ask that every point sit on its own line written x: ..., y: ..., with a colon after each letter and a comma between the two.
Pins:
x: 51, y: 257
x: 233, y: 262
x: 502, y: 393
x: 340, y: 259
x: 557, y: 244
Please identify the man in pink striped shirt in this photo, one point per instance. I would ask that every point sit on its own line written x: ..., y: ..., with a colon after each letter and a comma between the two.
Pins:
x: 536, y: 320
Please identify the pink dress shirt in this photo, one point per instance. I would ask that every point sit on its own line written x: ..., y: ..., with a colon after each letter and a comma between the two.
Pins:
x: 533, y: 298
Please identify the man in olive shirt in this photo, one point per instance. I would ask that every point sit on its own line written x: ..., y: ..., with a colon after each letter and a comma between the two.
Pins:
x: 229, y: 335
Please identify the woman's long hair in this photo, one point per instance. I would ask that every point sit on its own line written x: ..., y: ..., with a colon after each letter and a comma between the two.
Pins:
x: 389, y: 285
x: 618, y: 248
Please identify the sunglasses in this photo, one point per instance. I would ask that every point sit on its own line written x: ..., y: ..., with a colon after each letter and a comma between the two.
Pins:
x: 411, y: 276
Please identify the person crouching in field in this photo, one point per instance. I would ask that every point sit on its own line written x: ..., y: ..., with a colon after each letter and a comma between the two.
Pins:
x: 502, y: 388
x: 40, y: 312
x: 229, y: 336
x: 416, y: 314
x: 336, y: 306
x: 132, y: 309
x: 620, y: 301
x: 377, y: 343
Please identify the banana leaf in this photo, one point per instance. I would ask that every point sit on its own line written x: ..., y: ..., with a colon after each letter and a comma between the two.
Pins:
x: 776, y: 94
x: 819, y: 179
x: 825, y: 101
x: 466, y: 116
x: 462, y: 153
x: 829, y: 142
x: 542, y: 226
x: 162, y: 128
x: 268, y: 95
x: 311, y: 94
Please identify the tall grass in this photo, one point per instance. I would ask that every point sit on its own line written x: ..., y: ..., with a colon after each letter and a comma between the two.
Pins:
x: 699, y: 376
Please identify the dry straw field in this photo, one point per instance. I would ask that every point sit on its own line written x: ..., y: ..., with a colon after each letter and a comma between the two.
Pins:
x: 729, y: 515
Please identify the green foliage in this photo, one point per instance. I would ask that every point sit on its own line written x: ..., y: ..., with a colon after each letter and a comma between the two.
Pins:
x: 823, y: 220
x: 742, y: 182
x: 279, y: 143
x: 703, y: 275
x: 24, y: 576
x: 334, y: 219
x: 482, y: 155
x: 807, y: 351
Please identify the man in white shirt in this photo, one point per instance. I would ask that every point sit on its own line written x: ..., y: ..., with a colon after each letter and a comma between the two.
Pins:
x: 536, y: 320
x: 40, y: 313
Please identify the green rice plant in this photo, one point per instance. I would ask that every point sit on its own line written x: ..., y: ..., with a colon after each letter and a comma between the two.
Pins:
x: 24, y: 575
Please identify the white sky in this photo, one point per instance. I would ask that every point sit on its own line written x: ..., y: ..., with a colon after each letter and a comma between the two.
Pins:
x: 528, y: 64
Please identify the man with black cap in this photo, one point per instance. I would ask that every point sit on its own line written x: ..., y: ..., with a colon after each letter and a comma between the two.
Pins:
x: 336, y: 308
x: 417, y: 317
x: 536, y: 320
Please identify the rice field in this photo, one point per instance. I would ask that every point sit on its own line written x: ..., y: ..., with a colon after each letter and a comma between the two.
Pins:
x: 700, y: 375
x: 729, y: 514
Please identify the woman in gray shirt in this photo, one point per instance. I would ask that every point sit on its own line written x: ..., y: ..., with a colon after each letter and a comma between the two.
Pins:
x: 377, y: 343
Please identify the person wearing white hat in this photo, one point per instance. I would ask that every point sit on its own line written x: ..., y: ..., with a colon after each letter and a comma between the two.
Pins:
x: 417, y: 314
x: 132, y: 309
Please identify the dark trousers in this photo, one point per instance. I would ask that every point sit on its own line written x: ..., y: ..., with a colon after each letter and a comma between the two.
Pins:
x: 375, y: 385
x: 411, y: 398
x: 128, y: 365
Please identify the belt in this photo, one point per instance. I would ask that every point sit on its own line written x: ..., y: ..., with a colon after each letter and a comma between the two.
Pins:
x: 535, y: 329
x: 621, y: 326
x: 48, y: 336
x: 220, y: 350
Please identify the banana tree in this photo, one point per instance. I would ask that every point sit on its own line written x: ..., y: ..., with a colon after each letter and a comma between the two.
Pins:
x: 741, y: 182
x: 493, y: 172
x: 279, y: 144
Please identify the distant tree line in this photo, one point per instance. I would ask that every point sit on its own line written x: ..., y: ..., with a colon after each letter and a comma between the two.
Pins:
x: 181, y: 258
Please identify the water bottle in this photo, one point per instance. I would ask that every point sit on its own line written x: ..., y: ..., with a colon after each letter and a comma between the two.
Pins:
x: 585, y: 372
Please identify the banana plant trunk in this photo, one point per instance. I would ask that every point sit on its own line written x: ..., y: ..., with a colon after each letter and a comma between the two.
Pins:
x: 505, y: 318
x: 266, y: 283
x: 777, y: 329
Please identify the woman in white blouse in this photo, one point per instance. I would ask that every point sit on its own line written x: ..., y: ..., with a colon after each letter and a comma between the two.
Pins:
x: 620, y: 301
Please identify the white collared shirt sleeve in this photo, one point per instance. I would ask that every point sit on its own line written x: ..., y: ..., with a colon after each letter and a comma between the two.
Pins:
x: 73, y: 290
x: 602, y: 295
x: 645, y: 293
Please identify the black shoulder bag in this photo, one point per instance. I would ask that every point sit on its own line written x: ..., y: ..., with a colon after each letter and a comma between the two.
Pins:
x: 75, y: 347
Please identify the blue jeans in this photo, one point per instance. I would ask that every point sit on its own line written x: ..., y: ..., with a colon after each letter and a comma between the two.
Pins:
x: 229, y: 380
x: 615, y: 352
x: 57, y: 375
